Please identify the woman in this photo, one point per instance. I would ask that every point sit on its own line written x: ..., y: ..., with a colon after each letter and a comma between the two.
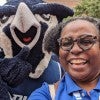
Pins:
x: 77, y: 43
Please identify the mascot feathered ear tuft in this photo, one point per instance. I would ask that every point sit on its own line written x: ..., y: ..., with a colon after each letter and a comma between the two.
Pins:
x: 60, y: 11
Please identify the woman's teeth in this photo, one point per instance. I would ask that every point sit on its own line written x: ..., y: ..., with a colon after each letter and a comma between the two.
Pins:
x: 77, y: 61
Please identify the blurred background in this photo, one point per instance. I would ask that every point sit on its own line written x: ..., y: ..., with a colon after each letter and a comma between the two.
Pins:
x: 2, y: 2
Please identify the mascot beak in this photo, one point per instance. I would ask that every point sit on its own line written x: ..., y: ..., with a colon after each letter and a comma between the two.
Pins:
x: 24, y: 18
x: 59, y: 10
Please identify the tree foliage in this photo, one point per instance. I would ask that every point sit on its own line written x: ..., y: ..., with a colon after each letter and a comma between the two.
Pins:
x: 89, y: 8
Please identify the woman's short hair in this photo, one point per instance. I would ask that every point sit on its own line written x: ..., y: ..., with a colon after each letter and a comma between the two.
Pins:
x: 50, y: 42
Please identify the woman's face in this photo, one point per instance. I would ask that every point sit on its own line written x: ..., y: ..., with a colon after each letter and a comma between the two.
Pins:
x: 82, y: 65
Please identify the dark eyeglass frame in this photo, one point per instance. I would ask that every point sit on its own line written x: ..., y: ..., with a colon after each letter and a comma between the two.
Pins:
x: 79, y: 42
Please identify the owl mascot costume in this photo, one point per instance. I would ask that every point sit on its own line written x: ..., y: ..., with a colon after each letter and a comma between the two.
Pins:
x: 24, y: 64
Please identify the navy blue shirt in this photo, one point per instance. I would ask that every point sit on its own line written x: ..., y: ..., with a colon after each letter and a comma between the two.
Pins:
x: 67, y: 90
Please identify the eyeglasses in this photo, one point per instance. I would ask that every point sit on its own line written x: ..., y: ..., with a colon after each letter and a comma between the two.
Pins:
x: 85, y: 42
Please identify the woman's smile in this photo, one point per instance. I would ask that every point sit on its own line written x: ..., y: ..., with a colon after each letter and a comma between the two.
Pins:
x: 77, y: 64
x: 77, y: 61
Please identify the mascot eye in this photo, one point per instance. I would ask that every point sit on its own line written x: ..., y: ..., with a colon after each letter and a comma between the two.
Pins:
x: 1, y: 53
x: 4, y: 19
x: 46, y: 17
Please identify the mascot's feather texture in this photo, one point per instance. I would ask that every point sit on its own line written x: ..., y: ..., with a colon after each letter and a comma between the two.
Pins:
x: 24, y: 62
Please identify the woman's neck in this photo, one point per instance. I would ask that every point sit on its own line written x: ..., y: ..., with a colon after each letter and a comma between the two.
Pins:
x: 88, y: 86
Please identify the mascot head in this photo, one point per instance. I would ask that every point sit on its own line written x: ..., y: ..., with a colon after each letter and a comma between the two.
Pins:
x: 26, y: 23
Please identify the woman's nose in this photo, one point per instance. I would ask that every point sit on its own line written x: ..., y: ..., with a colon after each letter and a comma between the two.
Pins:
x: 76, y: 49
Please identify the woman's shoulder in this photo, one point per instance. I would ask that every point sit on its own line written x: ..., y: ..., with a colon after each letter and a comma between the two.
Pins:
x: 41, y: 93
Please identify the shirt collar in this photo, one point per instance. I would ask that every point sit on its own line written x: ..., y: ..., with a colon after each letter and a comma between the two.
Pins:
x: 70, y: 84
x: 98, y: 85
